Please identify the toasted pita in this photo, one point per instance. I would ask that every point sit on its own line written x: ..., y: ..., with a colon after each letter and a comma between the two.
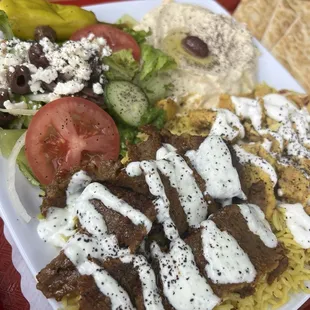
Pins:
x: 300, y: 6
x: 293, y: 51
x: 256, y: 14
x: 282, y: 18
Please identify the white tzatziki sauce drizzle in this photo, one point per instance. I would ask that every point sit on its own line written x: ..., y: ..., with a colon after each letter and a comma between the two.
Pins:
x: 173, y: 166
x: 226, y: 261
x: 151, y: 296
x: 298, y: 222
x: 258, y: 225
x: 227, y: 125
x: 213, y: 162
x: 181, y: 177
x: 107, y: 285
x: 99, y: 244
x: 249, y: 109
x: 249, y: 158
x: 183, y: 285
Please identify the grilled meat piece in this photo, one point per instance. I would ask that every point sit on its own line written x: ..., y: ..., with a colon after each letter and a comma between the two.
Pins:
x: 59, y: 278
x: 128, y: 234
x: 270, y: 261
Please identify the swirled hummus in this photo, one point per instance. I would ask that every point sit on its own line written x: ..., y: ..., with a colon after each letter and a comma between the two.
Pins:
x: 231, y: 63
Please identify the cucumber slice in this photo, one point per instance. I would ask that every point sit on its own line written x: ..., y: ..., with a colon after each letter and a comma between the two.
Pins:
x: 127, y: 101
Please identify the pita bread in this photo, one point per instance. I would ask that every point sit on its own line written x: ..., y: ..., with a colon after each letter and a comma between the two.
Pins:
x: 256, y: 14
x: 293, y: 51
x: 282, y: 18
x: 300, y: 6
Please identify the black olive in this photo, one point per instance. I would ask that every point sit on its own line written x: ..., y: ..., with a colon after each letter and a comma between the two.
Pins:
x: 44, y: 32
x: 18, y: 80
x: 89, y: 94
x: 5, y: 118
x: 37, y: 57
x: 4, y: 96
x: 95, y: 68
x: 195, y: 46
x: 49, y: 87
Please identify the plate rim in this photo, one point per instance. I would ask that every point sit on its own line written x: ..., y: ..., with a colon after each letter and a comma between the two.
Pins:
x: 17, y: 241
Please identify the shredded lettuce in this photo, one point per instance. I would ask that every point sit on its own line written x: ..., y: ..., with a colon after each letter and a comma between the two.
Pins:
x: 140, y: 36
x: 155, y: 116
x: 127, y: 23
x: 5, y: 26
x: 122, y: 66
x: 154, y: 61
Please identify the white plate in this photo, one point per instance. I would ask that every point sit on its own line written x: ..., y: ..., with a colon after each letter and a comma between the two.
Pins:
x: 37, y: 253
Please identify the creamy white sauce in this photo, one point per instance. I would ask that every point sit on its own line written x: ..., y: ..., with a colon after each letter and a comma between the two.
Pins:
x: 298, y: 222
x: 173, y: 166
x: 267, y: 144
x: 183, y: 285
x: 227, y: 262
x: 100, y: 192
x: 181, y: 178
x: 161, y: 203
x: 80, y: 246
x: 78, y: 183
x: 258, y: 225
x: 151, y: 296
x: 273, y: 134
x: 227, y: 125
x: 213, y: 162
x: 108, y: 286
x: 294, y: 147
x: 278, y: 107
x: 249, y: 109
x: 301, y: 120
x: 57, y: 227
x: 248, y: 158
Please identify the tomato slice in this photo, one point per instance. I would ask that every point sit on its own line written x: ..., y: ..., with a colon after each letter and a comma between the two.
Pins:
x: 66, y: 131
x: 116, y: 38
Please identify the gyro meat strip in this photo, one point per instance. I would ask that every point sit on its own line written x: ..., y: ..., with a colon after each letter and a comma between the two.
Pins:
x: 97, y: 168
x: 251, y: 255
x: 128, y: 234
x: 59, y: 278
x: 182, y: 143
x: 145, y: 150
x: 258, y: 179
x: 91, y: 297
x: 133, y: 277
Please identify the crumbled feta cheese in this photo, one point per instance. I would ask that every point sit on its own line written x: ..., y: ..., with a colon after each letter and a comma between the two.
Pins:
x: 18, y: 105
x: 73, y: 60
x: 97, y: 88
x: 68, y: 88
x: 47, y: 75
x: 105, y: 68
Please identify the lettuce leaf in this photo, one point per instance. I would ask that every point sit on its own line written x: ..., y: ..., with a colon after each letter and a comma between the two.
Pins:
x: 154, y: 61
x: 5, y: 26
x: 122, y: 66
x: 126, y: 23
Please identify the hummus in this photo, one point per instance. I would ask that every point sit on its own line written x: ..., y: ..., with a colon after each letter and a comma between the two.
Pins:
x: 230, y: 67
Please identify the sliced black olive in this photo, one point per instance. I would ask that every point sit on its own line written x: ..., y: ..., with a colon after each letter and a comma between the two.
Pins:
x: 5, y: 118
x: 4, y: 96
x: 49, y: 87
x: 95, y: 68
x: 195, y: 46
x: 18, y: 80
x: 37, y: 57
x: 45, y: 32
x: 89, y: 94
